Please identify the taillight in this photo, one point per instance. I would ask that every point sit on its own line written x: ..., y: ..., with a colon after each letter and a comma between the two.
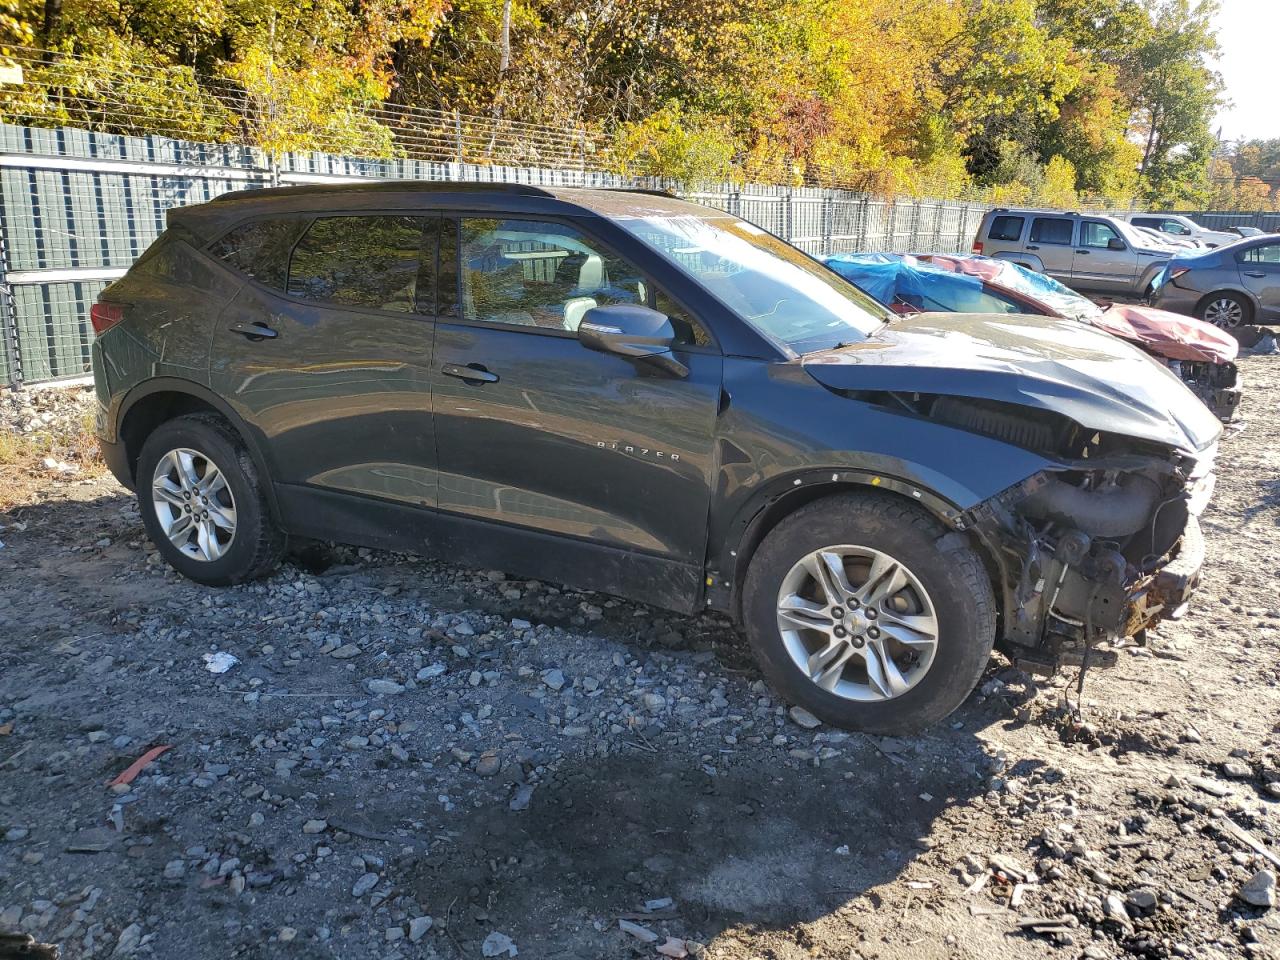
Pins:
x: 104, y: 316
x: 1177, y: 272
x: 977, y: 248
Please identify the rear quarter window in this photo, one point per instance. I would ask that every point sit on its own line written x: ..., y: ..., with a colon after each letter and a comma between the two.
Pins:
x: 260, y: 249
x: 1006, y: 228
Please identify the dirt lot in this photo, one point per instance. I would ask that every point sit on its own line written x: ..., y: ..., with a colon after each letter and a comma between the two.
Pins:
x: 414, y: 760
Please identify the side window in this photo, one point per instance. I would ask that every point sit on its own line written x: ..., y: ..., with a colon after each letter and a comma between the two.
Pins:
x: 1094, y: 233
x: 1006, y: 228
x: 1151, y: 223
x: 1175, y: 228
x: 260, y: 249
x: 547, y: 276
x: 368, y: 261
x: 1268, y: 254
x: 1051, y: 230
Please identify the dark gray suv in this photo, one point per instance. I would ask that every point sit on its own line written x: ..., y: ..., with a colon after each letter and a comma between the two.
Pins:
x: 641, y: 396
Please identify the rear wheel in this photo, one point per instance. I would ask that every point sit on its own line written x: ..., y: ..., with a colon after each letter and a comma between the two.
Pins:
x: 864, y: 610
x: 203, y: 504
x: 1227, y: 310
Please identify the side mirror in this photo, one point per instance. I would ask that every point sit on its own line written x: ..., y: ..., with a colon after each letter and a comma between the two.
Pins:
x: 1115, y: 243
x: 632, y: 331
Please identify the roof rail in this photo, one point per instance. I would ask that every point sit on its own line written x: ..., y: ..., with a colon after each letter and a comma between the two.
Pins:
x: 648, y: 191
x: 391, y: 186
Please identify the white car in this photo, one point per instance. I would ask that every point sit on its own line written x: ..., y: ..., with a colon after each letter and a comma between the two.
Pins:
x: 1179, y: 227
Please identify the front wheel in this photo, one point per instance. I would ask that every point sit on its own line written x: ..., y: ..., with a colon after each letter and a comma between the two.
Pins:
x: 864, y: 610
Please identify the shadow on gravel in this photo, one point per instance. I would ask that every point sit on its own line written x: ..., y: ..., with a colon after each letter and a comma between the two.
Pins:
x: 1268, y: 500
x: 754, y: 846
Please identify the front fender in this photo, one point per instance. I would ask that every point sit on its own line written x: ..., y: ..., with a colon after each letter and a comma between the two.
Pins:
x: 784, y: 439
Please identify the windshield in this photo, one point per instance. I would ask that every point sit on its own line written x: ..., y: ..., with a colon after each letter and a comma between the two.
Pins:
x: 773, y: 286
x: 1138, y: 237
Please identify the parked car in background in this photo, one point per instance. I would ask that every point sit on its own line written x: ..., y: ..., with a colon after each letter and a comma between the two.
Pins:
x: 1179, y: 227
x: 1242, y: 231
x: 1084, y: 251
x: 1201, y: 354
x: 651, y: 398
x: 1179, y: 243
x: 1229, y: 286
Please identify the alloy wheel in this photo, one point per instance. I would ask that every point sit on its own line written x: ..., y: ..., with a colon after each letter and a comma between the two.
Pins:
x: 857, y: 623
x: 194, y: 504
x: 1224, y: 312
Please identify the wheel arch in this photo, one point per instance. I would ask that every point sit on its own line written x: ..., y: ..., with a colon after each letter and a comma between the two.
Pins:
x: 157, y: 401
x: 1239, y: 292
x: 1028, y: 260
x: 782, y: 498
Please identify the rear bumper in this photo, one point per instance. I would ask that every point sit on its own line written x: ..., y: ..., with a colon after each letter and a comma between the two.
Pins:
x: 117, y: 461
x: 1175, y: 299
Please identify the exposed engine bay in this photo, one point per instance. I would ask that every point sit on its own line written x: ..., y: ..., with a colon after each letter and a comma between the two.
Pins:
x: 1097, y: 550
x: 1216, y: 384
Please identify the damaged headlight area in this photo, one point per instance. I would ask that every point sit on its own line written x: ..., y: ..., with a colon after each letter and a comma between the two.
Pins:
x: 1098, y: 548
x: 1216, y: 384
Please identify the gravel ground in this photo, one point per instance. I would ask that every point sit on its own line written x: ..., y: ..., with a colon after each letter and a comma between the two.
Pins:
x: 408, y: 759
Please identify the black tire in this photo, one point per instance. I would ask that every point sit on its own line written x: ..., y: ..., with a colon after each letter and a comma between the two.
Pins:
x: 947, y: 567
x: 258, y: 543
x: 1225, y: 297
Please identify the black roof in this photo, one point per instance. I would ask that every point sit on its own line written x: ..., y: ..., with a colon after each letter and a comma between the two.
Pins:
x: 210, y: 219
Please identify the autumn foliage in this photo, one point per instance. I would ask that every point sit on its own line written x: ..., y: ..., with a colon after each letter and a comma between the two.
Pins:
x: 1048, y: 100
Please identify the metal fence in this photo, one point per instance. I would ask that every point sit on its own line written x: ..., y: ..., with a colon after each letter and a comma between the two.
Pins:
x: 1222, y: 219
x: 78, y: 207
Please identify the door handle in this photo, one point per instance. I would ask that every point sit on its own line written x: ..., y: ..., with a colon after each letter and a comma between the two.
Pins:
x: 1255, y: 273
x: 473, y: 373
x: 1083, y: 253
x: 1032, y: 246
x: 254, y: 331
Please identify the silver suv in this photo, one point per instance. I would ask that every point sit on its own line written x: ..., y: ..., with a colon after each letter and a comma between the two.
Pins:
x: 1085, y: 251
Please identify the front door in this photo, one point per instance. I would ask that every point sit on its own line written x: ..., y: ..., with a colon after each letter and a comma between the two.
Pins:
x: 326, y: 354
x: 1103, y: 259
x: 1260, y: 272
x: 1050, y: 240
x: 538, y: 433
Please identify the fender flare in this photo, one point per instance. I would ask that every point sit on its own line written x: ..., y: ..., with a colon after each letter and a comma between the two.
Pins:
x: 202, y: 393
x: 727, y: 560
x: 1028, y: 260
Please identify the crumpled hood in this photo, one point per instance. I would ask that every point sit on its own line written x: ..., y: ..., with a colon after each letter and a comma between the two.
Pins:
x: 1169, y: 334
x: 1093, y: 378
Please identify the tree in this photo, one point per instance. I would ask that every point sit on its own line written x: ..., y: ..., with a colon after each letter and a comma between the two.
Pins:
x: 1176, y: 99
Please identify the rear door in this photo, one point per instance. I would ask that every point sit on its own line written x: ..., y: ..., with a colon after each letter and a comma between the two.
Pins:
x: 1051, y: 240
x: 1260, y: 272
x: 540, y: 434
x: 1103, y: 260
x: 327, y: 354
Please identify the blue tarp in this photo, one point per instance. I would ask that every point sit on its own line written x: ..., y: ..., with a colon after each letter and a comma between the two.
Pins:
x: 891, y: 276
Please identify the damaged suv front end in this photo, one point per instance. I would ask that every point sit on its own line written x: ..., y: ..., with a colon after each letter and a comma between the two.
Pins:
x: 1099, y: 548
x: 1102, y: 540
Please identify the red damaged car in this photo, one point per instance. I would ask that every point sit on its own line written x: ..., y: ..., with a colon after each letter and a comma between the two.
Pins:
x: 1200, y: 353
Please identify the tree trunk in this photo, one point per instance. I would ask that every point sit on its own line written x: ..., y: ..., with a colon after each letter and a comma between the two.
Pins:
x: 52, y: 19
